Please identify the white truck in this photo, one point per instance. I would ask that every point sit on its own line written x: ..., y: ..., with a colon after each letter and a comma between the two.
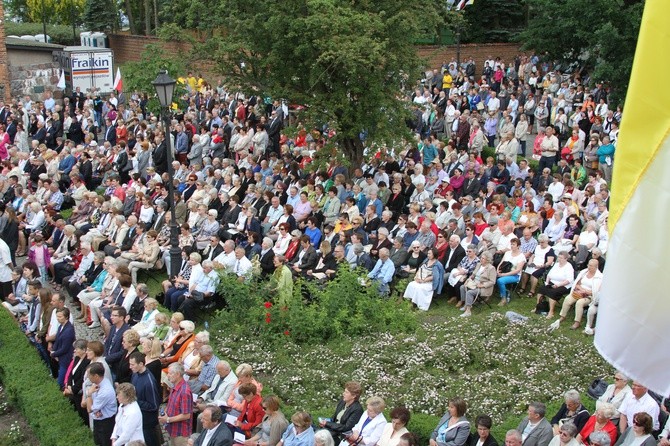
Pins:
x: 89, y: 68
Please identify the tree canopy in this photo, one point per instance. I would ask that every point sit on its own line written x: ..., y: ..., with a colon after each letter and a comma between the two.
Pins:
x: 602, y: 34
x: 344, y: 60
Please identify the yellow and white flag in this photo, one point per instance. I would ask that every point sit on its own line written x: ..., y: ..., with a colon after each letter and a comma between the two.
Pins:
x: 633, y: 326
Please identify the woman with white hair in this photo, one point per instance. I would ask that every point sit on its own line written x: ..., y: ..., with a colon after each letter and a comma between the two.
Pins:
x: 208, y: 228
x: 65, y: 249
x: 571, y: 411
x: 600, y: 422
x: 615, y: 393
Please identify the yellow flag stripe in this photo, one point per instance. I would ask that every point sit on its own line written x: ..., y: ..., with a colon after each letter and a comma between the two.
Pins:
x: 646, y: 121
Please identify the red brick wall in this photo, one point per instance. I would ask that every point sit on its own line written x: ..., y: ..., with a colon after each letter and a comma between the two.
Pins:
x: 4, y: 72
x: 436, y: 55
x: 128, y: 48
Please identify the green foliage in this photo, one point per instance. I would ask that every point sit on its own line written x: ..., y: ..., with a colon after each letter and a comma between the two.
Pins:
x: 493, y: 21
x: 60, y: 34
x: 138, y: 76
x: 56, y: 11
x: 101, y: 16
x: 532, y: 163
x: 30, y: 386
x: 345, y: 60
x: 601, y: 34
x: 342, y: 307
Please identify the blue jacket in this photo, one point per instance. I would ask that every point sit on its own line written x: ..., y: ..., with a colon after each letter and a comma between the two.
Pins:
x: 67, y: 164
x: 62, y: 347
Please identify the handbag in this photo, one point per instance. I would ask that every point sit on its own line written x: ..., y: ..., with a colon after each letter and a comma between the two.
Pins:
x: 597, y: 388
x: 480, y: 106
x: 505, y: 267
x: 470, y: 284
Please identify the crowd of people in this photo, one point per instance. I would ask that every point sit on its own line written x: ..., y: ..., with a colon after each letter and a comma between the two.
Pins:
x: 248, y: 201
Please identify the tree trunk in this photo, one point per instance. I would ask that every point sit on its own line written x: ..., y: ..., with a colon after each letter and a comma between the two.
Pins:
x: 156, y: 25
x: 353, y: 151
x: 147, y: 17
x: 131, y: 20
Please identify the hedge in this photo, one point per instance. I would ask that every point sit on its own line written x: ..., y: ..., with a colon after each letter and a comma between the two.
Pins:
x: 30, y: 386
x: 491, y: 151
x: 60, y: 34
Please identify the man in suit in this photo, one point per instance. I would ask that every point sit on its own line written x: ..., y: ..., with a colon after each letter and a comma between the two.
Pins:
x: 535, y: 430
x: 62, y: 348
x: 160, y: 154
x: 212, y: 251
x: 159, y: 221
x: 41, y: 133
x: 267, y: 257
x: 110, y: 133
x: 113, y: 347
x: 471, y: 185
x: 215, y: 433
x: 305, y: 259
x: 452, y: 258
x: 274, y: 129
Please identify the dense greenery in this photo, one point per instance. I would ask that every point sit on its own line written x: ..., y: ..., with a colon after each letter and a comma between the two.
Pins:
x: 60, y: 34
x: 344, y: 60
x: 30, y: 386
x: 315, y: 313
x: 601, y: 34
x: 138, y: 76
x: 101, y: 16
x: 493, y: 21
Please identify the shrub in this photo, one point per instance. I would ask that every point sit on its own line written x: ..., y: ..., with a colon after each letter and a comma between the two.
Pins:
x: 316, y: 313
x: 60, y: 34
x: 32, y: 389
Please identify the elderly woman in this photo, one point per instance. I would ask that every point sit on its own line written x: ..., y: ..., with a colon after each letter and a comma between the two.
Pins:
x: 146, y: 259
x: 428, y: 280
x: 600, y: 422
x: 128, y: 424
x: 179, y: 344
x: 640, y: 433
x: 273, y: 425
x: 208, y: 228
x: 565, y: 436
x: 588, y: 239
x: 587, y: 284
x: 516, y: 260
x: 299, y: 432
x: 130, y: 341
x: 480, y: 283
x: 458, y: 275
x: 396, y: 428
x: 370, y: 426
x: 322, y: 437
x: 615, y: 393
x: 245, y: 375
x: 147, y: 322
x: 453, y: 429
x: 347, y: 412
x: 381, y: 242
x: 539, y: 263
x: 572, y: 411
x: 190, y: 359
x: 483, y: 436
x: 557, y: 283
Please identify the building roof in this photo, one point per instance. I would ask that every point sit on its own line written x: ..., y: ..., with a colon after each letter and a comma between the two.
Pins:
x: 13, y: 42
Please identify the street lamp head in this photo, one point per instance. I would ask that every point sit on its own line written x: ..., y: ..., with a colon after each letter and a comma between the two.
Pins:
x: 164, y: 86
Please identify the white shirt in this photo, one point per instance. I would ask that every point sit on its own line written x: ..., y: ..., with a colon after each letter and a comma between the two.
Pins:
x: 128, y: 426
x: 227, y: 260
x: 494, y: 104
x: 631, y: 405
x: 5, y: 263
x: 373, y: 430
x: 241, y: 267
x: 223, y: 390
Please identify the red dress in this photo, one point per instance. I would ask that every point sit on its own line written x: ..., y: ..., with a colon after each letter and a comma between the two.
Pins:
x: 609, y: 428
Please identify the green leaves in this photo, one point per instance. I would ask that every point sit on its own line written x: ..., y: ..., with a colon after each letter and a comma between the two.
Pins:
x: 601, y: 33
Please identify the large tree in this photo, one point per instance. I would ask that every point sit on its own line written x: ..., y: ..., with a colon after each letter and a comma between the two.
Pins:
x: 602, y: 34
x: 345, y: 60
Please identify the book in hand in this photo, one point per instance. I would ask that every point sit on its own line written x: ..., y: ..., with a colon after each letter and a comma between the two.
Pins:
x: 238, y: 438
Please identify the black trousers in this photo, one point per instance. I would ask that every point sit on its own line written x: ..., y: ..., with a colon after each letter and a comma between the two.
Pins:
x: 102, y: 431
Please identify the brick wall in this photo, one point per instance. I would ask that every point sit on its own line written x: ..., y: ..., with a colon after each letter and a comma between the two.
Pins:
x: 436, y: 55
x: 128, y: 48
x: 4, y: 72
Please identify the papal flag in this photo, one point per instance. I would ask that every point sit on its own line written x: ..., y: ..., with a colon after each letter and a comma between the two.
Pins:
x: 633, y: 326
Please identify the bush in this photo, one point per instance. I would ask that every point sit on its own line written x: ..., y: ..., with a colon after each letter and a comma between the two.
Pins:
x: 60, y: 34
x: 30, y: 386
x: 317, y: 313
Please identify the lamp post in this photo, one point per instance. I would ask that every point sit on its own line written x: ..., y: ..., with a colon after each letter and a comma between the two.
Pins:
x: 164, y: 86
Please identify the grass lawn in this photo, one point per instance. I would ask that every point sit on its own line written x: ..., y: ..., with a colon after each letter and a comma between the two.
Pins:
x: 497, y: 367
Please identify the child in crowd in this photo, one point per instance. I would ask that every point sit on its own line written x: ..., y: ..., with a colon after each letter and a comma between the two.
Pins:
x: 39, y: 254
x: 31, y: 321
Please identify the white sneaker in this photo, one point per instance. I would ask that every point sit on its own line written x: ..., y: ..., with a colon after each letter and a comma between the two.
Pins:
x: 466, y: 315
x: 588, y: 331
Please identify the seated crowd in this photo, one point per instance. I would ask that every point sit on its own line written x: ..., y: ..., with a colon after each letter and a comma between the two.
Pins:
x: 247, y: 202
